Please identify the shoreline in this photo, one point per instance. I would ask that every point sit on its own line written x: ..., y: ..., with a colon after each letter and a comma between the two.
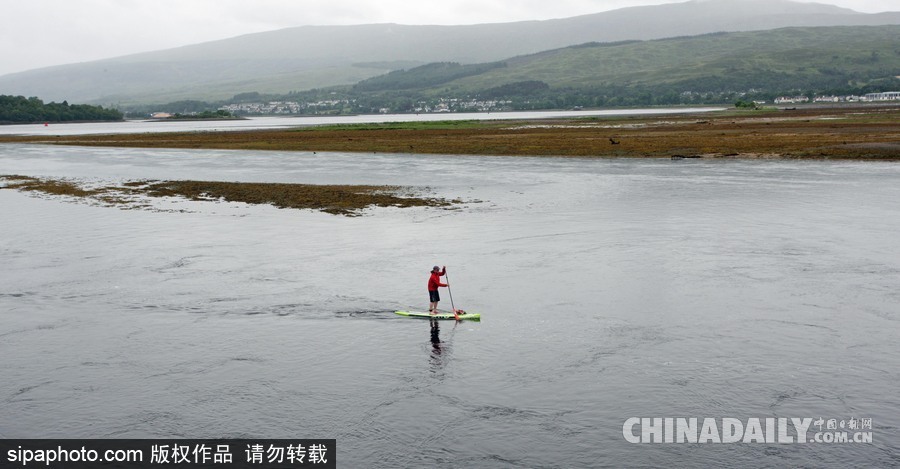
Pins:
x: 190, y: 119
x: 815, y: 132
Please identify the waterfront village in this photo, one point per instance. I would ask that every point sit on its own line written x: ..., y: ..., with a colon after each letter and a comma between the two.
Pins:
x: 478, y: 105
x: 871, y: 97
x: 472, y: 105
x: 292, y: 107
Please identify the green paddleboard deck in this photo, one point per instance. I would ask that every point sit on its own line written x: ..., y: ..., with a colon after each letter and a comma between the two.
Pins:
x: 439, y: 315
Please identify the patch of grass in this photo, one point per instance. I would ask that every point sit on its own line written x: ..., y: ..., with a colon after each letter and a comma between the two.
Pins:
x: 334, y: 199
x: 47, y: 186
x: 347, y: 200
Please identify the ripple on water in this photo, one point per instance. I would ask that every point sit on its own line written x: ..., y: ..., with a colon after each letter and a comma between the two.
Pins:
x: 609, y: 289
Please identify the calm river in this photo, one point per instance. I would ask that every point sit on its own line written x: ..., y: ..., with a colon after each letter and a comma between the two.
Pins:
x: 609, y: 289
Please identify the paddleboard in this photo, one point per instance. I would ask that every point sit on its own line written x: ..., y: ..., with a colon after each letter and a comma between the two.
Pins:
x: 439, y: 315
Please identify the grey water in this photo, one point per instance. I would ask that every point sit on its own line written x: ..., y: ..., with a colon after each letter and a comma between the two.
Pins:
x: 609, y: 289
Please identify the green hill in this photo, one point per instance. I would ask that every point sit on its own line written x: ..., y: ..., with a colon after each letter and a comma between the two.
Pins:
x: 768, y: 62
x: 424, y: 76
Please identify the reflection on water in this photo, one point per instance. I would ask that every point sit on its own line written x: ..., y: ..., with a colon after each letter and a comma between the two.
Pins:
x: 440, y: 349
x: 437, y: 348
x: 435, y: 336
x: 610, y: 289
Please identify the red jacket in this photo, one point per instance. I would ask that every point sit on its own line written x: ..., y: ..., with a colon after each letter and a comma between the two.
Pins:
x: 435, y: 280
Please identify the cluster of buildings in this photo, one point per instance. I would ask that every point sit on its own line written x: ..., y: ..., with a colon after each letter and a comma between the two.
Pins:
x: 293, y: 107
x: 868, y: 98
x: 463, y: 105
x: 488, y: 105
x: 282, y: 107
x: 886, y: 96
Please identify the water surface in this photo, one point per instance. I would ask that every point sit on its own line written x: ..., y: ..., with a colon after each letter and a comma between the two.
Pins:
x: 609, y: 289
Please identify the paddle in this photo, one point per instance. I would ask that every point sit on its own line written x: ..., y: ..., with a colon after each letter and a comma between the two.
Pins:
x: 455, y: 314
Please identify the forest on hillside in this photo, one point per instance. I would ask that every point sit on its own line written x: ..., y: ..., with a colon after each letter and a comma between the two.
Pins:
x: 22, y: 110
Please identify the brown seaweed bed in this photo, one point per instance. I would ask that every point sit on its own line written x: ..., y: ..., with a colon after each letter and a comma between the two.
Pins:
x: 347, y: 200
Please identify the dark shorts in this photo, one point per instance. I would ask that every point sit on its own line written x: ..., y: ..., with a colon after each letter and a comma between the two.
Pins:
x: 434, y: 295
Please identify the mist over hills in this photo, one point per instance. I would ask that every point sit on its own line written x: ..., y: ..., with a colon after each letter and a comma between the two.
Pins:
x: 306, y: 57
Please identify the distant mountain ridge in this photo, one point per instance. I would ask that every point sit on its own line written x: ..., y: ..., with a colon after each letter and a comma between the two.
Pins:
x: 307, y: 57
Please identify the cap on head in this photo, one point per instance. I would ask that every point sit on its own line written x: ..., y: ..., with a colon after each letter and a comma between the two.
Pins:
x: 435, y: 268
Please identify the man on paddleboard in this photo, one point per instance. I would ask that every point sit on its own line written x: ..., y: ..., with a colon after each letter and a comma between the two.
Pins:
x: 433, y: 283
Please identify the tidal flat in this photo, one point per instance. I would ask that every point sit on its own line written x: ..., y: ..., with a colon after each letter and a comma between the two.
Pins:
x: 865, y: 132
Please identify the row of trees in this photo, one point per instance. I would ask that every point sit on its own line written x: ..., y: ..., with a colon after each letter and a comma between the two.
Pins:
x: 20, y: 110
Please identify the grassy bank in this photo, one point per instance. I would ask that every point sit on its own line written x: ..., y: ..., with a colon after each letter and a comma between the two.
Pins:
x: 849, y: 132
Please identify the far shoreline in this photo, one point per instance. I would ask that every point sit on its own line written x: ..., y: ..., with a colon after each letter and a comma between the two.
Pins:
x: 197, y: 119
x: 857, y: 132
x: 5, y: 124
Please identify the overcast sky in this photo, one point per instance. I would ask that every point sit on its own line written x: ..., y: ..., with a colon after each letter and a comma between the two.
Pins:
x: 40, y: 33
